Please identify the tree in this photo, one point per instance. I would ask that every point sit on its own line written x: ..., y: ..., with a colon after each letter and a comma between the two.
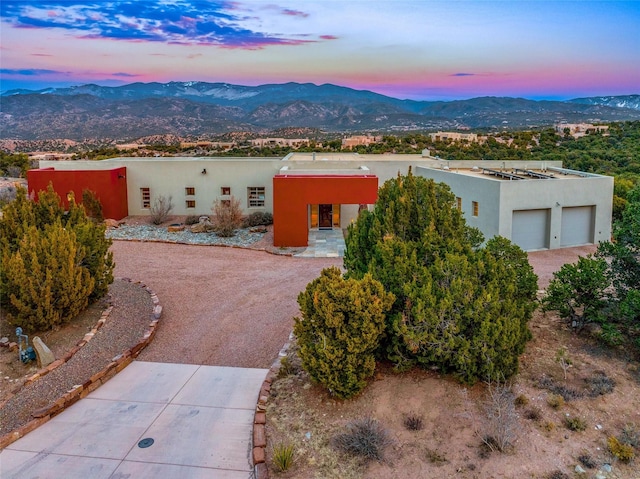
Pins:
x: 340, y: 329
x: 458, y: 306
x: 43, y: 284
x: 29, y: 228
x: 578, y: 291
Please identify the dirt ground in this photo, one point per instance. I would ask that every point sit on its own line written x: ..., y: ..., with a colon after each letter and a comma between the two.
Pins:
x: 454, y: 418
x: 222, y: 306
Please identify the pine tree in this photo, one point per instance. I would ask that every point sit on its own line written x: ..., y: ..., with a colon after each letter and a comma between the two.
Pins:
x: 458, y: 307
x: 46, y: 285
x: 340, y: 328
x: 24, y: 228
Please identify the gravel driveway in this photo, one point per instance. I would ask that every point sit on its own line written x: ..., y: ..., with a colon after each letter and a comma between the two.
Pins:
x: 234, y: 307
x: 222, y: 306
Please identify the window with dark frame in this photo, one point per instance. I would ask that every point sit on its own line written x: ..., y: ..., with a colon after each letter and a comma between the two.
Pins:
x: 145, y: 194
x: 189, y: 191
x: 191, y: 203
x: 255, y: 196
x: 225, y: 190
x: 476, y: 208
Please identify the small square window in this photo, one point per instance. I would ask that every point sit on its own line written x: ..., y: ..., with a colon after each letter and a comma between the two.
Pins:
x: 225, y: 190
x: 226, y: 203
x: 476, y: 208
x: 189, y: 191
x: 255, y: 196
x: 145, y: 194
x: 191, y: 203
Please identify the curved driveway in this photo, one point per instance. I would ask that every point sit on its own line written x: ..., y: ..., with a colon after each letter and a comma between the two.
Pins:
x: 221, y: 306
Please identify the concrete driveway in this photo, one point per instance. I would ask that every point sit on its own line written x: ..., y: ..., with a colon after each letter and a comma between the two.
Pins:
x: 199, y: 419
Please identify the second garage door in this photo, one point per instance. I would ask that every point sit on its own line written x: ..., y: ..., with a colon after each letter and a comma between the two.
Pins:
x: 530, y: 229
x: 577, y: 226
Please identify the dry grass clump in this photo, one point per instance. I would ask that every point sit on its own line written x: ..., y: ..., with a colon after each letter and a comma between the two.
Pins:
x: 413, y: 422
x: 365, y: 438
x: 600, y: 384
x: 556, y: 401
x: 575, y: 424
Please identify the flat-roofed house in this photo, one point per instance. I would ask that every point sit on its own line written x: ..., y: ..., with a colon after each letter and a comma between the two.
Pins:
x: 536, y: 205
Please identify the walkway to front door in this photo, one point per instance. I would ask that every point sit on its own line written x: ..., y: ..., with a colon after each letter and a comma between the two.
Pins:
x: 324, y: 244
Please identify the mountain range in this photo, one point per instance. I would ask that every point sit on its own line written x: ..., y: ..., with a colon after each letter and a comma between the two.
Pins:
x: 210, y: 109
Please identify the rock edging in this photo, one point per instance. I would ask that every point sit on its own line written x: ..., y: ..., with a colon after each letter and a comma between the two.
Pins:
x: 260, y: 417
x: 77, y: 392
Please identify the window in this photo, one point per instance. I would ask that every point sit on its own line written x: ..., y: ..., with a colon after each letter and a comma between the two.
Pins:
x: 145, y: 194
x: 191, y: 203
x: 189, y: 191
x: 226, y: 203
x: 256, y: 196
x: 459, y: 203
x: 225, y: 190
x: 475, y: 208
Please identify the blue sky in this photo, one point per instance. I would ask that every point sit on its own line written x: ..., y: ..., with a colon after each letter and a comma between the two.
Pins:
x: 424, y: 49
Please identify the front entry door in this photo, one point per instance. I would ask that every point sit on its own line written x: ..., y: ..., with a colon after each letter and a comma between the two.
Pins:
x: 326, y: 216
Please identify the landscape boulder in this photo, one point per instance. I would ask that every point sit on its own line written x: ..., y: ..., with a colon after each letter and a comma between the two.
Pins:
x: 43, y: 353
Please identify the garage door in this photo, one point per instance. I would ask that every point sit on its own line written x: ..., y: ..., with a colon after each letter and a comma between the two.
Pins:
x: 577, y: 226
x: 530, y: 229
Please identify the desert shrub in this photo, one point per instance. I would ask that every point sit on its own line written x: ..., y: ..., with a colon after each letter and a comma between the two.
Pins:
x: 549, y: 426
x: 630, y: 435
x: 556, y: 401
x: 521, y: 400
x: 43, y: 284
x: 621, y: 451
x: 7, y: 195
x: 259, y: 218
x: 413, y: 422
x: 567, y: 393
x: 192, y: 220
x: 227, y: 216
x: 364, y: 437
x: 578, y: 291
x: 161, y: 209
x: 436, y: 456
x: 575, y: 424
x: 282, y: 457
x: 500, y: 421
x: 92, y: 206
x: 14, y: 171
x: 600, y: 384
x: 340, y: 329
x: 534, y: 414
x: 587, y: 461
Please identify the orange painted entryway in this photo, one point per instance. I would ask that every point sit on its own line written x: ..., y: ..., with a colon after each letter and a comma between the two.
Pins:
x: 292, y: 195
x: 110, y: 186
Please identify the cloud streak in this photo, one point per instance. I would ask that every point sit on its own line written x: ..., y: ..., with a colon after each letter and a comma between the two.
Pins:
x: 179, y: 22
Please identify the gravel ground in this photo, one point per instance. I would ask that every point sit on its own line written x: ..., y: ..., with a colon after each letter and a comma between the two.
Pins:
x: 221, y: 306
x: 146, y: 232
x: 131, y: 314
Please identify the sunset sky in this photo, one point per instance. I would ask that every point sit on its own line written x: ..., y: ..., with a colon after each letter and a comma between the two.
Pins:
x: 425, y: 50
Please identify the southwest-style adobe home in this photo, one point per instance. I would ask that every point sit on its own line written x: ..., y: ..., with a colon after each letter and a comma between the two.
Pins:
x: 538, y: 205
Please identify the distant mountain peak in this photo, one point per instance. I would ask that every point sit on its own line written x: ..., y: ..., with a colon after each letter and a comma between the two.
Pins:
x: 202, y: 108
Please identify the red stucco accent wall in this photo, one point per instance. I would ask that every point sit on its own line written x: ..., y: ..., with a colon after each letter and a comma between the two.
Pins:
x: 293, y: 194
x: 110, y: 186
